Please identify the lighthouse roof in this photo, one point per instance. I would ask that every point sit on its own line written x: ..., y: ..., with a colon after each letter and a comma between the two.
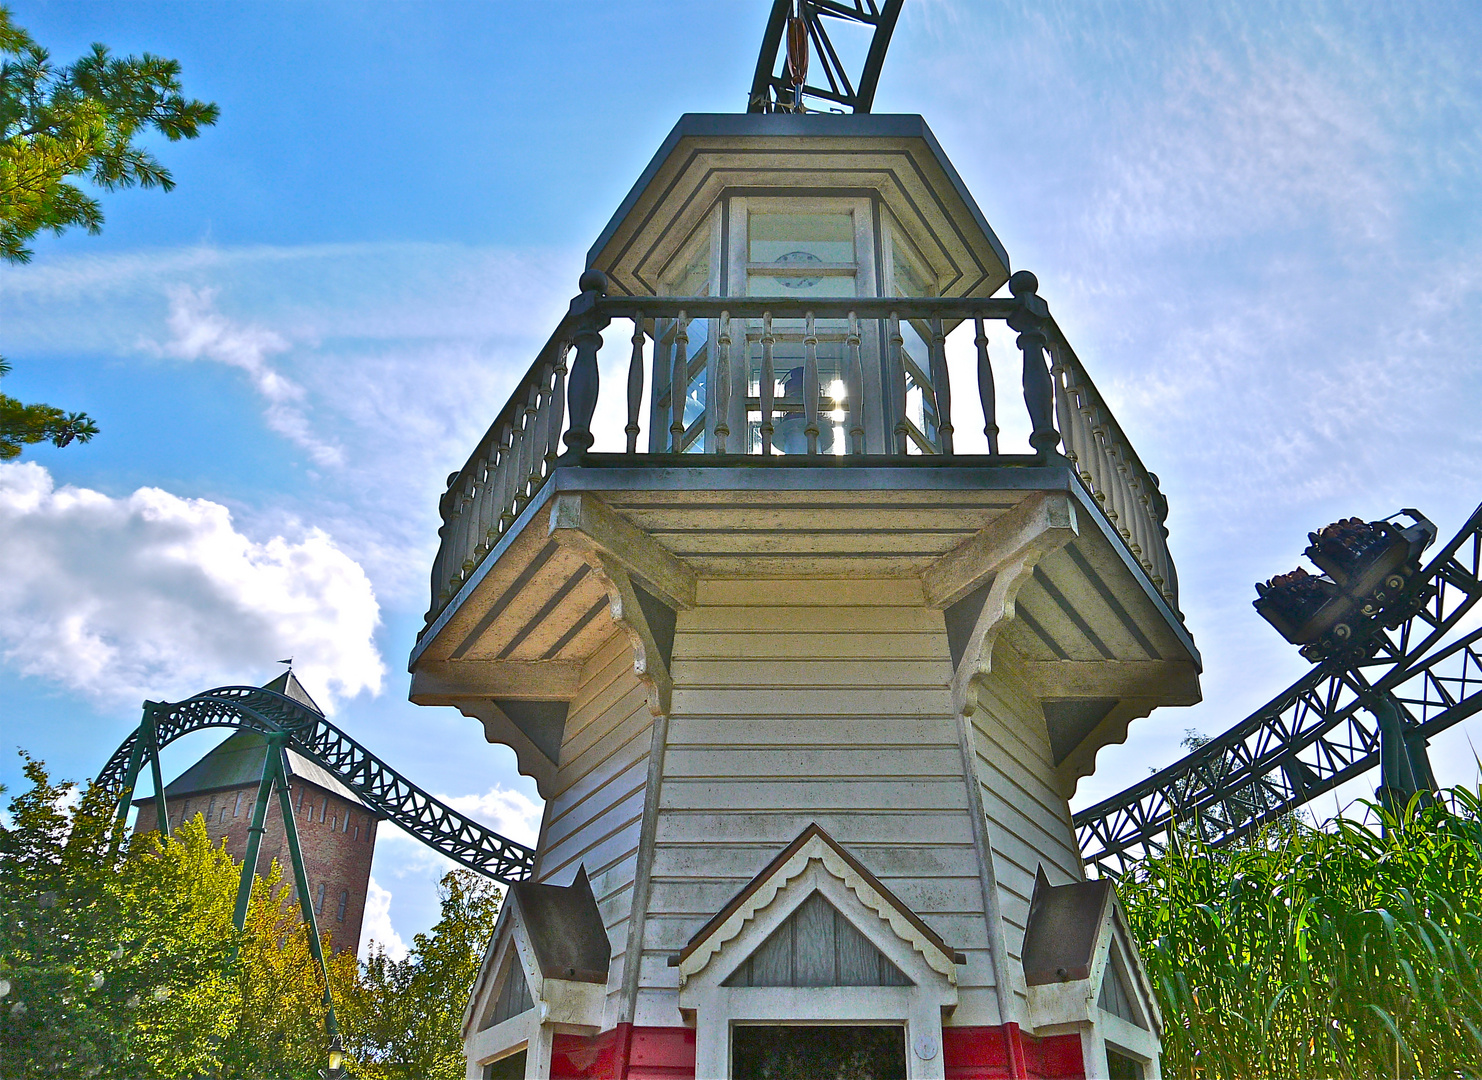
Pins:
x: 893, y: 159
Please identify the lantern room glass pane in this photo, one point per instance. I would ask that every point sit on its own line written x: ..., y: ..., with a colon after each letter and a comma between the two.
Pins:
x: 825, y: 238
x: 783, y: 248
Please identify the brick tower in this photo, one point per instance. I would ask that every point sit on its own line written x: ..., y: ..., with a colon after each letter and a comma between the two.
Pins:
x: 336, y: 831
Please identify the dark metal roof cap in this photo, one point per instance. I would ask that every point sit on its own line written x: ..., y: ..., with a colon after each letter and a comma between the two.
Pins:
x: 1064, y: 928
x: 565, y: 929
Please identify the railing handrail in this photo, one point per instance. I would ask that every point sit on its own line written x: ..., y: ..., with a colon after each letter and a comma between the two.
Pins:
x: 1086, y: 381
x: 521, y: 449
x: 560, y: 337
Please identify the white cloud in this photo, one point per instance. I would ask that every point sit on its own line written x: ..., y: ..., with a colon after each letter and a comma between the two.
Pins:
x: 506, y: 811
x: 154, y: 595
x: 376, y: 931
x: 202, y: 332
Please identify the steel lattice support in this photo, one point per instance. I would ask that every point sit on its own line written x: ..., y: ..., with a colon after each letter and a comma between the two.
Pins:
x: 1318, y: 733
x: 771, y: 88
x: 379, y: 786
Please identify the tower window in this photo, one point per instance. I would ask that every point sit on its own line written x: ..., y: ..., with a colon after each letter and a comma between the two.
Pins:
x: 237, y: 809
x: 344, y: 903
x: 319, y: 905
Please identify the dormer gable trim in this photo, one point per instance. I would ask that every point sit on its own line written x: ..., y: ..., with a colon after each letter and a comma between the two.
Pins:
x: 814, y: 845
x: 1077, y: 935
x: 562, y: 950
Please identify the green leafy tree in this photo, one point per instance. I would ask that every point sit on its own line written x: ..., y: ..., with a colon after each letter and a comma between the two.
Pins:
x: 22, y: 424
x: 118, y: 958
x: 1342, y: 951
x: 114, y: 957
x: 277, y: 1027
x: 78, y: 122
x: 405, y: 1017
x: 82, y: 120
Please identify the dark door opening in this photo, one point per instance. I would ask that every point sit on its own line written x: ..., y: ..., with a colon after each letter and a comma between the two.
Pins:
x: 775, y: 1052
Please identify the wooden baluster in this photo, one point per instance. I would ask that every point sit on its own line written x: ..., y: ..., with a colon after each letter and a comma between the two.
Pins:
x: 464, y: 518
x: 440, y: 590
x: 1169, y: 572
x: 528, y: 451
x: 679, y: 383
x: 898, y: 384
x: 1159, y: 534
x: 489, y: 514
x: 1108, y: 469
x: 811, y: 390
x: 501, y: 484
x: 1145, y: 540
x: 635, y: 385
x: 501, y: 476
x: 557, y: 409
x: 1118, y: 485
x: 538, y: 422
x: 1090, y: 462
x: 1064, y: 407
x: 1129, y: 508
x: 855, y: 389
x: 581, y: 394
x: 1136, y: 539
x: 720, y: 394
x: 941, y: 385
x: 1085, y: 440
x: 1030, y: 319
x: 482, y: 507
x: 985, y: 387
x: 767, y: 383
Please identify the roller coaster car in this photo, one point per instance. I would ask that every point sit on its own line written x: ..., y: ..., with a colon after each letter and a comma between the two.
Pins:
x: 1369, y: 577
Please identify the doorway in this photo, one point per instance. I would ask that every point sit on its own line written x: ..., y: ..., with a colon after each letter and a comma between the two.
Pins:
x: 775, y: 1052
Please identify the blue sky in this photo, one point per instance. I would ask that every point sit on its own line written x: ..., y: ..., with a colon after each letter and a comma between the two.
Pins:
x: 1259, y: 224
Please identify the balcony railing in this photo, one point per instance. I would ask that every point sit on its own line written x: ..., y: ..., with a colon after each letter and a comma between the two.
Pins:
x: 851, y: 387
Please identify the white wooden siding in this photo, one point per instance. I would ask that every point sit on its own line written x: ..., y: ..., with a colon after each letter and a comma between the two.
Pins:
x: 800, y: 701
x: 593, y: 818
x: 797, y: 702
x: 1028, y: 820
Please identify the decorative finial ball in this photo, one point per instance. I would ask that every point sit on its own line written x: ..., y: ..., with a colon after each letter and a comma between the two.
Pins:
x: 1023, y: 283
x: 592, y: 280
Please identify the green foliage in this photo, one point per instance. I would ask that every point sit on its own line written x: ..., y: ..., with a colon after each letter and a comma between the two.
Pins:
x: 21, y: 424
x: 121, y: 960
x: 1342, y: 951
x: 278, y: 1027
x: 404, y: 1018
x: 81, y: 120
x: 116, y: 955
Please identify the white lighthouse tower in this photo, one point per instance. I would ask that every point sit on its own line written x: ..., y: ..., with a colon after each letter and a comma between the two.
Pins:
x: 806, y: 689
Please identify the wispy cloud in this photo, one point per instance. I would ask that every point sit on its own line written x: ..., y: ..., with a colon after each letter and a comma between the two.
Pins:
x: 200, y: 332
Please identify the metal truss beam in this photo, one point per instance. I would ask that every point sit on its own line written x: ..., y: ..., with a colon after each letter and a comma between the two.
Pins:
x: 770, y: 89
x: 379, y: 786
x: 1316, y: 734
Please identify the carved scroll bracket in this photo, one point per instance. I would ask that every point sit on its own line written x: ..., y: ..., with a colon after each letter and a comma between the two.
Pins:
x: 646, y: 585
x: 978, y: 583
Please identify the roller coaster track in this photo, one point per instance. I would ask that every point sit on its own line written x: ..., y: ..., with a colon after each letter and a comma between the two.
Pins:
x: 1317, y: 733
x: 378, y: 785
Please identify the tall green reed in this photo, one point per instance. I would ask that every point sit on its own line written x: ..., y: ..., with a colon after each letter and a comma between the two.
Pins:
x: 1352, y: 950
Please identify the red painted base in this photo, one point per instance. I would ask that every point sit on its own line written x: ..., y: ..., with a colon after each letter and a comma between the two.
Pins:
x: 969, y: 1053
